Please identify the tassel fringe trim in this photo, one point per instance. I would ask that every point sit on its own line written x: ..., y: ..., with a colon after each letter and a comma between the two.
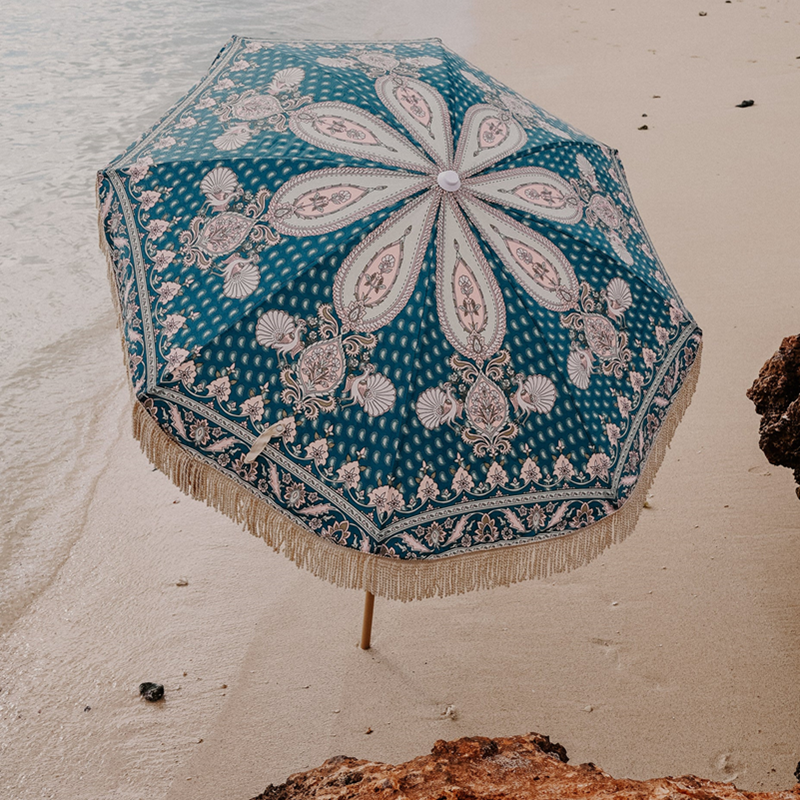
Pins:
x: 392, y: 578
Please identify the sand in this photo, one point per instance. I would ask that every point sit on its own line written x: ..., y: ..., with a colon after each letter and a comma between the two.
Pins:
x: 676, y: 652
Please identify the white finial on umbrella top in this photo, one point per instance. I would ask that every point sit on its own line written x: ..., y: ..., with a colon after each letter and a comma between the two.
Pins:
x: 449, y: 180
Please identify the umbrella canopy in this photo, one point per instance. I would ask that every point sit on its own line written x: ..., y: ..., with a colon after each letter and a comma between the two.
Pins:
x: 393, y: 317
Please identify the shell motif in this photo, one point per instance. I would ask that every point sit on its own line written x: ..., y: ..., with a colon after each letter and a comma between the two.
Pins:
x: 241, y: 278
x: 618, y: 297
x: 433, y: 407
x: 378, y: 395
x: 586, y: 169
x: 619, y: 248
x: 542, y: 393
x: 275, y: 328
x: 220, y: 186
x: 291, y: 76
x: 579, y: 367
x: 233, y: 138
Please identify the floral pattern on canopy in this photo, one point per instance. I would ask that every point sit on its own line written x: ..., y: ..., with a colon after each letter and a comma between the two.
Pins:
x: 393, y: 317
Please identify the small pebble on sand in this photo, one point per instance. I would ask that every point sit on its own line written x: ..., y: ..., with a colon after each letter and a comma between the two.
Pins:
x: 368, y: 731
x: 449, y: 713
x: 152, y: 692
x: 588, y: 709
x: 643, y: 128
x: 746, y: 104
x: 182, y: 582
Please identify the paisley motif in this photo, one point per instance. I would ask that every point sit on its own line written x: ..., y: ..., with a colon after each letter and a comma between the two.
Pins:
x: 486, y: 407
x: 539, y: 266
x: 329, y: 199
x: 326, y: 200
x: 379, y: 276
x: 485, y: 138
x: 603, y: 209
x: 415, y: 104
x: 601, y: 336
x: 422, y: 110
x: 321, y: 367
x: 534, y: 264
x: 251, y: 105
x: 531, y: 189
x: 375, y: 281
x: 471, y: 308
x: 345, y: 128
x: 469, y: 303
x: 222, y: 234
x: 492, y: 132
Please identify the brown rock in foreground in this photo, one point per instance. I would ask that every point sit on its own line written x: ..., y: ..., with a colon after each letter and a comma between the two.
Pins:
x: 477, y: 768
x: 776, y: 394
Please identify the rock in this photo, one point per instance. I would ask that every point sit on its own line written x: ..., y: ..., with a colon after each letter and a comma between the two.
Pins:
x: 746, y: 104
x: 478, y: 768
x: 151, y: 691
x: 797, y: 772
x: 776, y: 394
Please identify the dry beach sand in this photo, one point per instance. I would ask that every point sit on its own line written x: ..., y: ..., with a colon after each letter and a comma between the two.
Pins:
x: 677, y: 651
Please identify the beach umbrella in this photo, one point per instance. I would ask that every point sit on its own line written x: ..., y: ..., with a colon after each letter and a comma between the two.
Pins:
x: 393, y: 317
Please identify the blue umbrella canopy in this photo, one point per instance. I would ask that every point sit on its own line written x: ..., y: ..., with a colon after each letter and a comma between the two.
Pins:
x: 393, y: 317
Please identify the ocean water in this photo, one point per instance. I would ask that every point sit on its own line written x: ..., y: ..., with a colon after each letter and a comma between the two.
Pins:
x: 80, y: 81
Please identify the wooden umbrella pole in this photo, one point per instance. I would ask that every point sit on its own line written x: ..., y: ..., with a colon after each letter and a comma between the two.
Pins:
x: 366, y: 628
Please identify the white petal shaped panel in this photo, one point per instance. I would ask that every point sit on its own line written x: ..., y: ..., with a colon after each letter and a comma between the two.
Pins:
x: 377, y: 278
x: 344, y: 128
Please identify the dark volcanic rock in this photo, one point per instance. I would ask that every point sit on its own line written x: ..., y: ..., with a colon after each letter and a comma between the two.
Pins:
x: 476, y: 768
x: 151, y: 691
x: 776, y: 394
